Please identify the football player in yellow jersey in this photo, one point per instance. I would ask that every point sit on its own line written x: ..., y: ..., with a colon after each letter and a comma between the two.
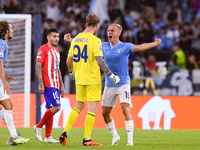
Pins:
x: 84, y: 61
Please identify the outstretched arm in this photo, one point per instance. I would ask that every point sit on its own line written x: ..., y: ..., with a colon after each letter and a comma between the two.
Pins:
x: 38, y: 69
x: 146, y: 46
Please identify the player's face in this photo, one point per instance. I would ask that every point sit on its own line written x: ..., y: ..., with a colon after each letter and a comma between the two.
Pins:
x: 113, y: 33
x: 53, y: 38
x: 10, y: 32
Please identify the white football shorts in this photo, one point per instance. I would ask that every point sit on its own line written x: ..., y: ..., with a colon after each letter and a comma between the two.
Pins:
x: 3, y: 95
x: 110, y: 94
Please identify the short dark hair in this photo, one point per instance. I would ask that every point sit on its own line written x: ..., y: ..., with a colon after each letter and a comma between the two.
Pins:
x: 49, y: 31
x: 4, y: 27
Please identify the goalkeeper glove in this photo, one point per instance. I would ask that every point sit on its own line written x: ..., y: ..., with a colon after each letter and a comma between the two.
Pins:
x: 115, y: 79
x: 72, y: 75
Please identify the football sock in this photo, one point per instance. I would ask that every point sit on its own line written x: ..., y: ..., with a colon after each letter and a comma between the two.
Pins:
x: 71, y: 119
x: 10, y: 123
x: 129, y: 129
x: 2, y: 114
x: 112, y: 129
x: 48, y: 128
x: 47, y: 115
x: 89, y: 123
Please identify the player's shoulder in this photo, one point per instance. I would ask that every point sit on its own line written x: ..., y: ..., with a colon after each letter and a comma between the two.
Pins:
x: 2, y: 42
x: 43, y: 47
x: 126, y: 44
x: 3, y: 45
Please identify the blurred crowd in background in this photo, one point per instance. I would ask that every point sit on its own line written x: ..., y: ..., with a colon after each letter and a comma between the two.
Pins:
x: 176, y: 22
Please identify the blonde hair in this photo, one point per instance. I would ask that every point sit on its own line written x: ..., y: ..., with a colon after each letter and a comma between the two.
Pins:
x: 92, y: 20
x: 117, y: 25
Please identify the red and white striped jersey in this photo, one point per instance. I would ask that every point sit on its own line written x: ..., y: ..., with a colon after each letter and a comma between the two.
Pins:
x: 50, y: 57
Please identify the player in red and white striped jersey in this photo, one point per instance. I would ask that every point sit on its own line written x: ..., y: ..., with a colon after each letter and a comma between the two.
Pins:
x: 50, y: 83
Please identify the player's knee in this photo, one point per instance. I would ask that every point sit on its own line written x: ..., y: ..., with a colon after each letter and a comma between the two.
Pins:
x: 8, y: 107
x: 56, y: 109
x: 126, y: 109
x: 105, y: 113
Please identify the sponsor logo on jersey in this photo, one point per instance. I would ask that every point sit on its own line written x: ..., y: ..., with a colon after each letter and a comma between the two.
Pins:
x: 39, y: 52
x: 57, y: 101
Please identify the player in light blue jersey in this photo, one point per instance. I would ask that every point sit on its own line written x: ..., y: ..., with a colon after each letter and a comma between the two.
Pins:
x: 116, y: 54
x: 6, y: 33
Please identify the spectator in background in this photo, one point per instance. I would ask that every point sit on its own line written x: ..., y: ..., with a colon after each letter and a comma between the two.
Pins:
x: 158, y: 23
x: 102, y: 32
x: 174, y: 15
x: 172, y: 66
x: 75, y: 8
x: 195, y: 7
x: 115, y: 14
x: 11, y: 7
x: 178, y: 56
x: 52, y: 10
x: 150, y: 64
x: 191, y: 62
x: 161, y: 34
x: 147, y: 13
x: 168, y: 9
x: 145, y: 33
x: 127, y: 34
x: 186, y: 37
x: 172, y: 36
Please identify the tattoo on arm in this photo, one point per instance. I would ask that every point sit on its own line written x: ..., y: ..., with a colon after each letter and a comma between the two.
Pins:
x: 38, y: 69
x: 103, y: 65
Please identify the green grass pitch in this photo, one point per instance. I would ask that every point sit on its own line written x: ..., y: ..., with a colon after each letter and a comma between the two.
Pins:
x: 143, y: 140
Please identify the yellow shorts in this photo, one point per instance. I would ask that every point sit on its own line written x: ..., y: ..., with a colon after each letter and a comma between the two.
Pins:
x: 88, y: 92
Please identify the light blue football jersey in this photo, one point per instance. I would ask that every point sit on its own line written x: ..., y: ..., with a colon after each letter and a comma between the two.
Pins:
x: 3, y: 52
x: 116, y: 58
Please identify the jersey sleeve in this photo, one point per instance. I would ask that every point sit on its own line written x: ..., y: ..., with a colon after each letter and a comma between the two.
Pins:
x: 97, y: 47
x: 70, y: 53
x: 130, y: 47
x: 41, y: 53
x: 1, y: 50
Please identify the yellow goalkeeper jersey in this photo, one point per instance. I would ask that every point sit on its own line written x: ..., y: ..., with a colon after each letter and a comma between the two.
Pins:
x: 84, y: 47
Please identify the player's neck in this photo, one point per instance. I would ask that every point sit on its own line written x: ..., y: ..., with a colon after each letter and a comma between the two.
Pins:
x: 6, y: 40
x: 114, y: 42
x: 89, y: 30
x: 50, y: 45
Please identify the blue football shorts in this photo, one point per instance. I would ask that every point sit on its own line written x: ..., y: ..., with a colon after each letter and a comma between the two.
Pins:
x: 52, y: 97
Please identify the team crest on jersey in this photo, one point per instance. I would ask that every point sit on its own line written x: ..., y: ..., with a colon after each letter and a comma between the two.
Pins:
x: 119, y: 50
x: 100, y: 48
x: 2, y: 48
x: 39, y: 52
x: 57, y: 101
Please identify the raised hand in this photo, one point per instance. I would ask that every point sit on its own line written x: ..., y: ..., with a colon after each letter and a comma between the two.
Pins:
x: 158, y: 41
x: 67, y: 37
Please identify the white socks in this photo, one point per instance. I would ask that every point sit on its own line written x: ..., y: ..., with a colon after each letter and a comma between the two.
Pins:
x: 112, y: 129
x: 129, y: 128
x: 2, y: 114
x: 8, y: 119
